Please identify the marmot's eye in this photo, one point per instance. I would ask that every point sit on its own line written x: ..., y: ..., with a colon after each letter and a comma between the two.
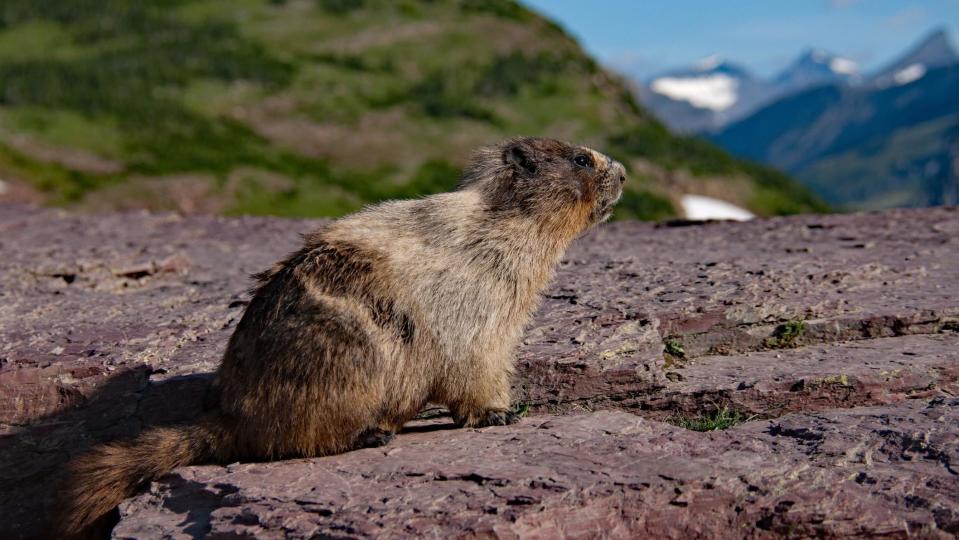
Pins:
x: 583, y: 161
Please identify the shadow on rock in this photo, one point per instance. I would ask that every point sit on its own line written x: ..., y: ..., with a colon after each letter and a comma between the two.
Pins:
x: 33, y: 456
x: 426, y: 428
x: 197, y: 502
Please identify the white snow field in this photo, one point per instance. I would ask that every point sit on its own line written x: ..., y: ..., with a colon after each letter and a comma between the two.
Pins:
x: 909, y: 74
x: 700, y: 207
x: 717, y: 91
x: 844, y: 66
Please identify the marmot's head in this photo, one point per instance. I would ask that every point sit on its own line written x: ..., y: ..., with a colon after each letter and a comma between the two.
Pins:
x: 561, y: 184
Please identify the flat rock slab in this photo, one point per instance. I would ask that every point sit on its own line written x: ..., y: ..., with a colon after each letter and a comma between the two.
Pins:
x: 863, y: 472
x: 112, y: 323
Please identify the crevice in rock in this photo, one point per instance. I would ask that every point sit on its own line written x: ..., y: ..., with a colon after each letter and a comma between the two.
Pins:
x: 769, y: 384
x: 723, y: 340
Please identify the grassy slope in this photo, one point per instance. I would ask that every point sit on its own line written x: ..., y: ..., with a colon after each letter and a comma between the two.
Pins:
x: 315, y: 107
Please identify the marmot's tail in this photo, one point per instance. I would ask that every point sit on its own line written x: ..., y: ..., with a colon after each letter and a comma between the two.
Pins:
x: 99, y: 480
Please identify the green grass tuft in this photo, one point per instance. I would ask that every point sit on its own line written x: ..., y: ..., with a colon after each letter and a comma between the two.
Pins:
x: 786, y: 334
x: 674, y: 347
x: 521, y: 409
x: 717, y: 420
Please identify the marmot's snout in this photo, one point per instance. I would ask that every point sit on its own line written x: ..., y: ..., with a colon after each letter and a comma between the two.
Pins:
x: 610, y: 189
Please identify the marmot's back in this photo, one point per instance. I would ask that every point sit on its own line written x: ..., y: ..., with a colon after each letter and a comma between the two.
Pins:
x: 307, y: 343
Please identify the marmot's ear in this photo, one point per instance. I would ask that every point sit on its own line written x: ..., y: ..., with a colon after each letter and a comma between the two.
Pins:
x: 519, y: 156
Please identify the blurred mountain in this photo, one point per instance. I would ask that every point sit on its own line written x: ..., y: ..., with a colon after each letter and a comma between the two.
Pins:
x: 891, y: 141
x: 815, y: 67
x: 715, y: 93
x: 934, y: 51
x: 703, y: 97
x: 317, y: 107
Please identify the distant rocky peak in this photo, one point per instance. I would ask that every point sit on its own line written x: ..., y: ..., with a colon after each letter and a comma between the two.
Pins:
x: 934, y: 50
x: 816, y: 66
x: 709, y: 63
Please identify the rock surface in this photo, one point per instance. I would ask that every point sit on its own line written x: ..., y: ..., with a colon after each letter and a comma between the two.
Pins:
x: 869, y: 471
x: 835, y: 336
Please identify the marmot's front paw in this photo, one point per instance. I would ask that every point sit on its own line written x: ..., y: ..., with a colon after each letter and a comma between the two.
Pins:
x: 374, y: 438
x: 494, y: 418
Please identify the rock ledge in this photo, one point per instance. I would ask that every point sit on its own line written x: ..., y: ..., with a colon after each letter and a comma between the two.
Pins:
x: 836, y: 337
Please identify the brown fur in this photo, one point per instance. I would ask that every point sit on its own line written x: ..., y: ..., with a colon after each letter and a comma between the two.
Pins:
x: 380, y: 312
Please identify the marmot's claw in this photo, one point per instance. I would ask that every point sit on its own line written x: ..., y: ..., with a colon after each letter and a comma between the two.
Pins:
x: 511, y: 417
x: 497, y: 418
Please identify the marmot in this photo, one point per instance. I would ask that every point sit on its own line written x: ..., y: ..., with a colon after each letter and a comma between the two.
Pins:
x: 380, y: 312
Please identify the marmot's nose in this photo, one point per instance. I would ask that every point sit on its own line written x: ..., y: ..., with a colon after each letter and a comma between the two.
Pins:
x: 620, y: 171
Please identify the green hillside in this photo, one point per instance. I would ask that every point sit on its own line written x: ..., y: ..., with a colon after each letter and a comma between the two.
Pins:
x: 316, y: 107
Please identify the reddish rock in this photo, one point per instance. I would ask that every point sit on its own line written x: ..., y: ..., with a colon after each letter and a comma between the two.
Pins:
x: 114, y: 322
x: 861, y: 472
x: 824, y: 376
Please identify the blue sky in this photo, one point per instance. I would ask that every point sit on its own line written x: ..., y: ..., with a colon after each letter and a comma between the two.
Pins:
x: 644, y: 37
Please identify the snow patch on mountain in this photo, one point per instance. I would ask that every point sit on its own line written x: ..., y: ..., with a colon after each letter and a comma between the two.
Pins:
x: 935, y: 51
x: 700, y: 207
x: 909, y: 74
x: 716, y: 92
x: 844, y: 66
